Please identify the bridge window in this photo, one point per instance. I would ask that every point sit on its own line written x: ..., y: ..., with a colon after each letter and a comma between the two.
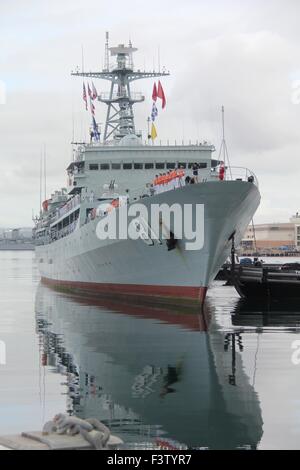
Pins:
x: 94, y: 166
x: 138, y: 166
x: 149, y: 166
x: 104, y: 166
x: 116, y: 166
x: 182, y: 164
x: 201, y: 165
x: 127, y: 166
x: 170, y: 166
x: 159, y: 166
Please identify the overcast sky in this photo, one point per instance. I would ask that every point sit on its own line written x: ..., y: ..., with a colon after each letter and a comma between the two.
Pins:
x: 243, y: 54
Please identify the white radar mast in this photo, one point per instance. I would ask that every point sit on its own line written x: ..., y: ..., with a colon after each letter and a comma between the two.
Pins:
x: 120, y: 99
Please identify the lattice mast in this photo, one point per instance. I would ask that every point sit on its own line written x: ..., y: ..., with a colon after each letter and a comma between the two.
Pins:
x: 120, y: 99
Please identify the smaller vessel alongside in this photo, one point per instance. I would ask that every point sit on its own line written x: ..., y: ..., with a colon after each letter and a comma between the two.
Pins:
x: 269, y: 283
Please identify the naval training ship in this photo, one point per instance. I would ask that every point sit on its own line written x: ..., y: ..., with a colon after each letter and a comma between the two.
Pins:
x: 120, y: 169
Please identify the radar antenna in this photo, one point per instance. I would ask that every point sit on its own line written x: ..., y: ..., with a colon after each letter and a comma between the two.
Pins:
x: 120, y: 99
x: 130, y: 56
x: 106, y: 65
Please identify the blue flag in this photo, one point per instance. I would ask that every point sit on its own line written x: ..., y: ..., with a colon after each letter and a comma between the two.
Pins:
x: 96, y: 130
x: 154, y: 112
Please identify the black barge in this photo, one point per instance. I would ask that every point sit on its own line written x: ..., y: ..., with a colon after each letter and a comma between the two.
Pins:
x: 271, y: 282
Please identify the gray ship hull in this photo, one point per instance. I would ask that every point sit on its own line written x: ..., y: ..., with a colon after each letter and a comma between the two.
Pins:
x: 83, y: 262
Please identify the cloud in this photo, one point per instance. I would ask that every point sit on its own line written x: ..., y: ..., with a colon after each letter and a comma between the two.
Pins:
x: 240, y: 54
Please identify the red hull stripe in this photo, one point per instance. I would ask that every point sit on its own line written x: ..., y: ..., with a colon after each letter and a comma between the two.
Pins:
x: 194, y: 293
x: 194, y: 320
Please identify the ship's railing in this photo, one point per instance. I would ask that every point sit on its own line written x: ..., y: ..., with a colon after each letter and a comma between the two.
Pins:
x: 232, y: 174
x: 56, y: 235
x: 151, y: 190
x: 237, y: 173
x: 75, y: 201
x: 78, y: 171
x: 179, y: 143
x: 160, y: 143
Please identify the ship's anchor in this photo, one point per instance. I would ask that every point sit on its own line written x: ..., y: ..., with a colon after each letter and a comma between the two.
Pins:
x: 171, y: 242
x: 169, y: 235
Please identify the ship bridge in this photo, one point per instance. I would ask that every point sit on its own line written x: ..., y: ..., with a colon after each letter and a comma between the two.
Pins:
x: 131, y: 164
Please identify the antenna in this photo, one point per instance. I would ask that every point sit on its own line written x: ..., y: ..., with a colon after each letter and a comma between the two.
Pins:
x: 120, y: 100
x: 223, y: 148
x: 158, y: 53
x: 41, y: 169
x: 45, y: 175
x: 223, y: 122
x: 82, y: 59
x: 73, y: 126
x: 106, y: 60
x: 148, y: 129
x: 223, y: 134
x: 130, y: 62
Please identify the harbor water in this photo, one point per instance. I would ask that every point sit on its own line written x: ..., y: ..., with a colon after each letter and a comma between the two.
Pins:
x: 228, y: 377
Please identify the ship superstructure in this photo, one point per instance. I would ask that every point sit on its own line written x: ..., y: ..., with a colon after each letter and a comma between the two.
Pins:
x: 121, y: 169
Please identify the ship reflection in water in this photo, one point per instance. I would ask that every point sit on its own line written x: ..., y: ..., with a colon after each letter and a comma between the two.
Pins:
x: 161, y: 377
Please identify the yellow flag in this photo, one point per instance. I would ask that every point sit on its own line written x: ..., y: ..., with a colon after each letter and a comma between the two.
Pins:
x: 153, y: 132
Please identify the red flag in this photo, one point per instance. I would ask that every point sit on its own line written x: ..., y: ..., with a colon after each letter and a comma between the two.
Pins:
x: 161, y: 95
x: 95, y: 94
x: 154, y: 93
x: 89, y: 91
x: 85, y: 97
